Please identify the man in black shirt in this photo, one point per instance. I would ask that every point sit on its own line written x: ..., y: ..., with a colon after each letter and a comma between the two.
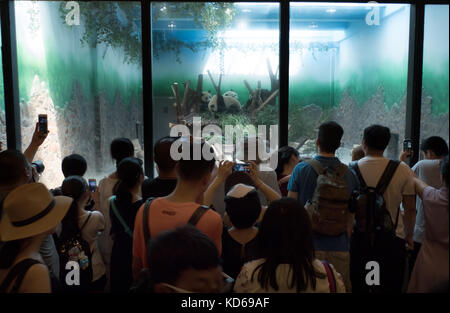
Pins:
x: 166, y: 181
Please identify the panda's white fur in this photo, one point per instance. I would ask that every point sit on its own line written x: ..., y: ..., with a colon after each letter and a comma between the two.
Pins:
x: 230, y: 103
x: 231, y: 93
x: 206, y: 96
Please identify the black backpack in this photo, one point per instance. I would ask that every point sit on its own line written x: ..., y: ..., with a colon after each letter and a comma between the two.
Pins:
x: 373, y: 220
x: 75, y: 249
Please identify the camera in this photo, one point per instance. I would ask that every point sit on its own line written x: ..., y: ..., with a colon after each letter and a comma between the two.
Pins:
x: 38, y: 166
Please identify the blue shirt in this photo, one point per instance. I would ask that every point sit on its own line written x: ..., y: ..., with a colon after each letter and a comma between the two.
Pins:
x: 303, y: 181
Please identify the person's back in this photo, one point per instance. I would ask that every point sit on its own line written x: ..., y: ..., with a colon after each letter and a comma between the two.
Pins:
x: 178, y: 207
x: 389, y: 251
x: 287, y: 254
x: 431, y: 266
x: 302, y: 186
x: 123, y: 209
x: 120, y: 149
x: 239, y: 243
x: 166, y: 181
x: 22, y: 269
x: 434, y: 149
x: 88, y: 224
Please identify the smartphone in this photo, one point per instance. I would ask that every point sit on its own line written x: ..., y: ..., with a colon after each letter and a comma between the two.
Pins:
x: 92, y: 184
x: 241, y: 167
x: 407, y: 145
x: 42, y: 119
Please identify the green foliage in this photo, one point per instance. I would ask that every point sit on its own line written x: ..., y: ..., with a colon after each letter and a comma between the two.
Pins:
x: 117, y: 24
x: 436, y: 85
x: 210, y: 16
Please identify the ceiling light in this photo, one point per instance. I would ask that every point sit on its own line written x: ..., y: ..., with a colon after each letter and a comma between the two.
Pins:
x: 171, y: 25
x: 331, y: 10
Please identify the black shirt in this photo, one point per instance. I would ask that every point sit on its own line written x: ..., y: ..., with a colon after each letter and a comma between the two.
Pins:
x: 235, y: 254
x: 158, y: 187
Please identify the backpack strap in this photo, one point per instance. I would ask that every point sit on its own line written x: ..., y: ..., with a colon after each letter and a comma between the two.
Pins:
x: 145, y: 221
x: 330, y: 275
x: 18, y: 271
x: 387, y: 176
x: 197, y: 215
x: 316, y: 165
x: 127, y: 229
x: 85, y: 222
x: 355, y: 167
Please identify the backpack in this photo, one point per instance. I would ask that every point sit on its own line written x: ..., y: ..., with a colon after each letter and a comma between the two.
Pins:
x: 329, y: 208
x: 76, y: 249
x: 371, y: 215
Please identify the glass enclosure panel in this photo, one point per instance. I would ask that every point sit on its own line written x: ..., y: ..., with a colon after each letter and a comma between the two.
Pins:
x: 237, y: 43
x: 348, y: 63
x: 2, y: 102
x: 435, y: 101
x: 80, y: 63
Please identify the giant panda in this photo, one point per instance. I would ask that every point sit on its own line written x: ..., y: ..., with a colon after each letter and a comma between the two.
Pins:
x: 205, y: 99
x: 227, y: 104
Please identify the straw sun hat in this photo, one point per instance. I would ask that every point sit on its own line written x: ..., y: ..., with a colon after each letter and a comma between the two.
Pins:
x: 31, y: 210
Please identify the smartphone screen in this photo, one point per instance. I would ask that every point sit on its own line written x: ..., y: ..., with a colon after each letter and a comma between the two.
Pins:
x: 92, y: 184
x: 240, y: 168
x: 407, y: 144
x: 42, y: 119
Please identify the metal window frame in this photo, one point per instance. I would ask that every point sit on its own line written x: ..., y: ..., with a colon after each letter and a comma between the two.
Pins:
x: 414, y: 83
x: 10, y: 75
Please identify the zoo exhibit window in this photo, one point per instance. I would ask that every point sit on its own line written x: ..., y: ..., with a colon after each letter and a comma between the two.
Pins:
x: 79, y: 62
x: 349, y: 64
x: 225, y: 73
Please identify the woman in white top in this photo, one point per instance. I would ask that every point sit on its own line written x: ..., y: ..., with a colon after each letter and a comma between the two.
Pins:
x: 287, y: 263
x: 121, y: 148
x: 90, y: 223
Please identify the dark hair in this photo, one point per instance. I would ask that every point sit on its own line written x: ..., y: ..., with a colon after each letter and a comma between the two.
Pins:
x: 12, y: 165
x: 172, y: 252
x: 74, y: 165
x: 444, y: 171
x: 162, y: 153
x: 284, y: 156
x: 129, y: 171
x: 243, y: 212
x: 9, y: 252
x: 435, y: 144
x: 74, y: 187
x: 121, y: 148
x: 285, y: 237
x: 330, y: 135
x: 192, y: 169
x: 377, y: 137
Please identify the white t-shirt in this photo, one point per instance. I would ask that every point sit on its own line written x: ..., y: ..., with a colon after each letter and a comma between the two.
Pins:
x: 245, y: 284
x: 402, y: 184
x: 95, y: 224
x: 428, y: 171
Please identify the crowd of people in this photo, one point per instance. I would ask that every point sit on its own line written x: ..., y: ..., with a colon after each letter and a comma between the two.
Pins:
x: 209, y: 226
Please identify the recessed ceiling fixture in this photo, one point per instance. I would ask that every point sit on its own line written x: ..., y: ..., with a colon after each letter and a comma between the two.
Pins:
x: 331, y: 10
